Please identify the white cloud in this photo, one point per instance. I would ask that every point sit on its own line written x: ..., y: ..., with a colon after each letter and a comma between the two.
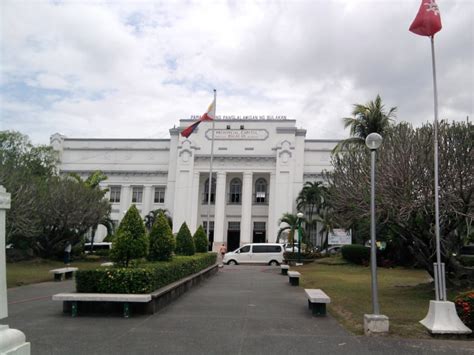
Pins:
x: 126, y: 68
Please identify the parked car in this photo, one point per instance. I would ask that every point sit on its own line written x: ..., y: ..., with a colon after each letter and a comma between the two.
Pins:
x: 331, y: 250
x: 261, y: 253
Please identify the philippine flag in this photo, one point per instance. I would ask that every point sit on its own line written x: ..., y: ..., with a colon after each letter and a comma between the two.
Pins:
x: 208, y: 116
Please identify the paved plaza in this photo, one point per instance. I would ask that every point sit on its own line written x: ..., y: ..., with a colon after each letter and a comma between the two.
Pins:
x: 240, y: 310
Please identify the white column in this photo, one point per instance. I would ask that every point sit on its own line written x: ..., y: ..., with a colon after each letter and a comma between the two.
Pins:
x: 272, y: 225
x: 125, y: 198
x: 246, y: 221
x: 194, y: 202
x: 12, y: 341
x: 148, y: 192
x: 219, y: 211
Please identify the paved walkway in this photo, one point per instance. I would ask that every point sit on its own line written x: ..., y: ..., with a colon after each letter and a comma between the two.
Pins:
x: 240, y: 310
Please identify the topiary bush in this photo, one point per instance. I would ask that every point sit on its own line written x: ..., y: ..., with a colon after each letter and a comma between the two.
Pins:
x: 132, y: 223
x: 145, y: 279
x: 200, y: 240
x: 184, y: 241
x: 465, y: 308
x: 162, y: 243
x: 125, y: 248
x: 355, y: 253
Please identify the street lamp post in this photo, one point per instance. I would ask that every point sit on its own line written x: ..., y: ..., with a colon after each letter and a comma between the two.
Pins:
x: 300, y: 217
x: 375, y: 322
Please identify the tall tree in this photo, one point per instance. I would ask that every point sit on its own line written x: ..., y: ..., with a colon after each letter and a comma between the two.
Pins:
x: 405, y: 193
x: 311, y: 200
x: 369, y: 118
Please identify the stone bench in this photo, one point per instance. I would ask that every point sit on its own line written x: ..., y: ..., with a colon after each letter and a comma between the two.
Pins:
x: 70, y: 300
x: 317, y: 301
x: 284, y: 269
x: 66, y: 271
x: 294, y: 277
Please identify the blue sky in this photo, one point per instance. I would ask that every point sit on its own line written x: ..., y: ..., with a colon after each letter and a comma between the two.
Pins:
x: 134, y: 68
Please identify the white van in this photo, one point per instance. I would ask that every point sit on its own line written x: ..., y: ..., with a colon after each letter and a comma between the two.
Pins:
x: 261, y: 253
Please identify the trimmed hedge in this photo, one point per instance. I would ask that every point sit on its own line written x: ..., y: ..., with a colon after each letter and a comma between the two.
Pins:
x: 145, y: 279
x: 465, y: 308
x: 355, y: 253
x: 288, y: 255
x: 162, y: 241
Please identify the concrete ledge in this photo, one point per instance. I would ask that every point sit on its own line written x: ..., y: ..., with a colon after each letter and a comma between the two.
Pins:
x: 136, y: 303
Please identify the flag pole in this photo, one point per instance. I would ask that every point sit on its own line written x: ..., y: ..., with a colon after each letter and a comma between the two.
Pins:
x: 439, y: 267
x: 210, y: 172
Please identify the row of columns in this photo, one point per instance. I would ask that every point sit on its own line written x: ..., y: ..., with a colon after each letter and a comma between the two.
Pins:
x: 220, y: 207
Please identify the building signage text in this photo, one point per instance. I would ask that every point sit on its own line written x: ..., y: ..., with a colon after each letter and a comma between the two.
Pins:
x: 247, y: 117
x: 238, y: 134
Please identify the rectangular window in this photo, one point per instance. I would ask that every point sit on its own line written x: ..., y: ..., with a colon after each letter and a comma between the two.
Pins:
x: 234, y: 226
x: 115, y: 194
x: 137, y: 194
x: 211, y: 225
x: 258, y: 226
x: 160, y: 194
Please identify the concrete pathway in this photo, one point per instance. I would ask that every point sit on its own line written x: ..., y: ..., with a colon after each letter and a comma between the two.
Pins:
x: 240, y: 310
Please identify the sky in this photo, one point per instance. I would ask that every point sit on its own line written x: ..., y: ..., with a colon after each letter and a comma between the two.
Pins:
x: 133, y: 69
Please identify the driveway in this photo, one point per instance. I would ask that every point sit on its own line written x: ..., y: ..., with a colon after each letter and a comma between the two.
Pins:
x: 240, y: 310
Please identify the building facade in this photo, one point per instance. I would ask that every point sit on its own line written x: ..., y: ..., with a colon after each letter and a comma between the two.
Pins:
x: 259, y: 167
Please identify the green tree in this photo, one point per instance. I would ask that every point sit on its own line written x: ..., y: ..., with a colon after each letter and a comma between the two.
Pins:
x: 184, y: 241
x: 152, y: 215
x: 126, y: 247
x: 200, y: 240
x: 311, y: 200
x: 291, y: 221
x: 25, y: 170
x: 405, y: 193
x: 134, y: 240
x: 369, y: 118
x: 162, y: 243
x: 93, y: 182
x: 132, y: 223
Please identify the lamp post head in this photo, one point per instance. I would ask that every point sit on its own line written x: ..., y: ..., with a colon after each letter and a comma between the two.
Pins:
x: 373, y: 141
x: 300, y: 215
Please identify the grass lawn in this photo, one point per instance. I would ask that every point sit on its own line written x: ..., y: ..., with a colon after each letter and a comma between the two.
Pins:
x: 404, y: 295
x: 34, y: 271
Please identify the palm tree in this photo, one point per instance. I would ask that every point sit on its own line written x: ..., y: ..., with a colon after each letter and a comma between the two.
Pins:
x: 152, y: 215
x: 310, y: 200
x: 366, y: 119
x: 291, y: 221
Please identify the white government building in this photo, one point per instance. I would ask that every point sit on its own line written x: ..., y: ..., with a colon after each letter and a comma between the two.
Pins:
x: 259, y: 167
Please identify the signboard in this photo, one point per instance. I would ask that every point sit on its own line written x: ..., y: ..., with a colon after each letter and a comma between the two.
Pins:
x: 340, y: 237
x: 238, y: 134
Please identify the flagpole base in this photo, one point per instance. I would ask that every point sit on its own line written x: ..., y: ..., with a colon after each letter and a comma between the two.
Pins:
x: 12, y: 342
x: 376, y: 324
x: 442, y: 318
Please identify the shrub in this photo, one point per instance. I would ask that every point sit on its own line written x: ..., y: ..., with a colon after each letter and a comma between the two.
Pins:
x: 465, y: 308
x: 200, y: 240
x: 355, y: 253
x: 144, y: 279
x: 125, y: 248
x: 184, y: 241
x: 288, y: 255
x: 466, y: 260
x: 162, y: 242
x: 132, y: 223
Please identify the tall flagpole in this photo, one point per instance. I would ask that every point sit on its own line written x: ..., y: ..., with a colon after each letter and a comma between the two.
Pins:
x: 439, y: 267
x: 210, y: 172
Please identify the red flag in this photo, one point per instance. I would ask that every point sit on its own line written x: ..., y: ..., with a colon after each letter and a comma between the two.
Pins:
x: 208, y: 116
x: 428, y: 20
